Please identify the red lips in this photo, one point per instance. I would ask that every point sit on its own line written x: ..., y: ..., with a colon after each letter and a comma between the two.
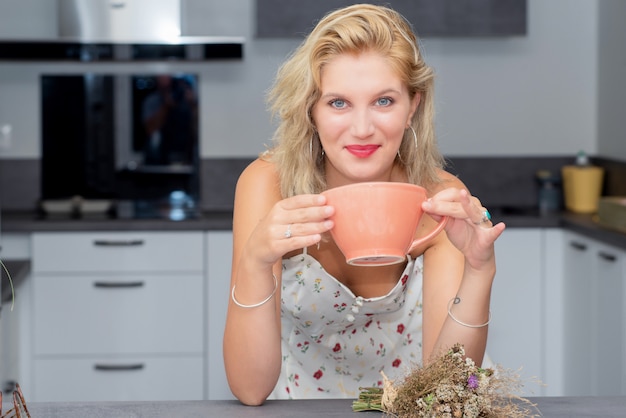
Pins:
x: 362, y: 151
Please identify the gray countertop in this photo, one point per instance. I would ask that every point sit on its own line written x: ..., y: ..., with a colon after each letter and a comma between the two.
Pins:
x: 222, y: 220
x: 34, y: 222
x: 550, y: 407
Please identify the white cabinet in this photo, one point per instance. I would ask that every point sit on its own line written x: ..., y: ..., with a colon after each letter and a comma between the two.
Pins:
x: 610, y: 326
x: 594, y: 309
x: 553, y: 300
x: 559, y: 313
x: 118, y: 316
x: 15, y: 246
x: 140, y: 315
x: 515, y: 334
x: 219, y: 245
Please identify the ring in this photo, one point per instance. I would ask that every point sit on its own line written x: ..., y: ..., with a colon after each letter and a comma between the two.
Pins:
x: 288, y: 231
x: 486, y: 218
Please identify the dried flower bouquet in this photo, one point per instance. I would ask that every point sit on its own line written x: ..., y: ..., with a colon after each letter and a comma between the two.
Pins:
x: 452, y: 386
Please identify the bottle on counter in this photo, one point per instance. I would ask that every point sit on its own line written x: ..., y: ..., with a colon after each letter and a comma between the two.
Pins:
x: 549, y: 195
x: 582, y: 185
x: 582, y: 160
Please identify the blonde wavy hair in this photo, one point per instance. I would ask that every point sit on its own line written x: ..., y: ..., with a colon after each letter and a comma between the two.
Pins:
x: 296, y: 151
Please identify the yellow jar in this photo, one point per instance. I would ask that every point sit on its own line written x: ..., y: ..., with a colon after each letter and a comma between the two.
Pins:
x: 582, y: 187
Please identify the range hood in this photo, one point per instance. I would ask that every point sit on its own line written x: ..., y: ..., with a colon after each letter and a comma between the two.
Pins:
x: 122, y: 30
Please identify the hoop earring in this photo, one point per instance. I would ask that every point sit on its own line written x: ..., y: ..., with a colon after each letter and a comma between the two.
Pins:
x: 414, y: 136
x: 311, y: 149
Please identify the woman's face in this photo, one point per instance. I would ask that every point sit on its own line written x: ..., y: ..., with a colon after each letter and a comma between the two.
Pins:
x: 361, y: 116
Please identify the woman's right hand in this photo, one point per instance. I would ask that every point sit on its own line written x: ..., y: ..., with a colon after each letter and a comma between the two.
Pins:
x: 292, y: 223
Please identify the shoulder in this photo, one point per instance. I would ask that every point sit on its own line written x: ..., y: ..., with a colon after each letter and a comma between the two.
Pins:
x: 447, y: 180
x: 259, y: 173
x: 258, y: 184
x: 259, y: 170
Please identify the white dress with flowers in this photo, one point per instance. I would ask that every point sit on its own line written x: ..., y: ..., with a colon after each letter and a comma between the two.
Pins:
x: 334, y: 342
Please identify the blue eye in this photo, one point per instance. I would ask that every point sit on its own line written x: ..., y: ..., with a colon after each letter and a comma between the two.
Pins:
x: 338, y: 103
x: 384, y: 101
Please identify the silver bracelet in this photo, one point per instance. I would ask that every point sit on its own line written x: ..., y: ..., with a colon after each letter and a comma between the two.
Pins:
x: 255, y: 305
x: 457, y: 300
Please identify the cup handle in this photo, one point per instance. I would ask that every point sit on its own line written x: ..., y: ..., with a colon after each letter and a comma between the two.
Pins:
x: 442, y: 223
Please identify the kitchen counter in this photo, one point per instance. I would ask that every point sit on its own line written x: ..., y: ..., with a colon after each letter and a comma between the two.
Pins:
x: 588, y: 225
x: 26, y: 222
x: 34, y: 222
x: 550, y: 407
x: 214, y: 220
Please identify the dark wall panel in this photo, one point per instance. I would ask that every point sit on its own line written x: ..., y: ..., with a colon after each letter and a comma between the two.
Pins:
x: 440, y: 18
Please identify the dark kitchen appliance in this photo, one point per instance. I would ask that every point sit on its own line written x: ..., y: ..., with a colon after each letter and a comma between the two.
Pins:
x: 123, y: 137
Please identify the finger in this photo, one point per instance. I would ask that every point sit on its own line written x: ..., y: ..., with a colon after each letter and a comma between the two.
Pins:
x: 287, y: 234
x: 302, y: 201
x: 301, y: 209
x: 494, y: 231
x: 450, y: 202
x: 476, y: 213
x: 295, y: 230
x: 485, y: 219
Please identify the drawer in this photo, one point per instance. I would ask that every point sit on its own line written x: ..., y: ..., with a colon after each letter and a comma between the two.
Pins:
x: 80, y: 314
x: 118, y: 251
x: 117, y: 379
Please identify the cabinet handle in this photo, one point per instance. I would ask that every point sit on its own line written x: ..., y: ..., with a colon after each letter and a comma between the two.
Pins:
x: 118, y: 367
x: 110, y: 285
x: 607, y: 256
x: 118, y: 243
x: 578, y: 246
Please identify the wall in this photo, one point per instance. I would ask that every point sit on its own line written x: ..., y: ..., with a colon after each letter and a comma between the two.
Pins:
x: 532, y: 95
x: 611, y: 84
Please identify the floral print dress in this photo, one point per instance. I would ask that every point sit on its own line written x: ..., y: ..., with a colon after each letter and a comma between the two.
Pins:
x: 334, y: 342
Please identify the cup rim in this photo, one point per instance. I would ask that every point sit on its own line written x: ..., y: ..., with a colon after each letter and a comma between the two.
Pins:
x: 395, y: 184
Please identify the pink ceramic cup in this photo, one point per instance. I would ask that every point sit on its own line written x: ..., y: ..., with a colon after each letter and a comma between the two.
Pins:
x: 375, y: 222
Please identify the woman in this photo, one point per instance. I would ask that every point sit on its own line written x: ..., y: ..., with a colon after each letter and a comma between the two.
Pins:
x: 355, y: 104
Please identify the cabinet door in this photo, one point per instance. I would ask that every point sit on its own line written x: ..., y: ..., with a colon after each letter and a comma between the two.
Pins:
x: 609, y: 327
x: 78, y: 314
x: 579, y: 315
x: 554, y: 315
x: 219, y: 244
x: 118, y: 252
x: 594, y: 317
x: 122, y: 378
x: 515, y: 334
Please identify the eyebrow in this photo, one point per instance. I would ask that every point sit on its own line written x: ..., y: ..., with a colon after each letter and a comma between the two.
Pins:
x: 381, y: 93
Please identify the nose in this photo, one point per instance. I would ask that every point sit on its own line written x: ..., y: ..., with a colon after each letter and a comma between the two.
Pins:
x: 362, y: 124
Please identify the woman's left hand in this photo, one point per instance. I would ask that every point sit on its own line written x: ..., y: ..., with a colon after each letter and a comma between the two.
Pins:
x: 469, y: 226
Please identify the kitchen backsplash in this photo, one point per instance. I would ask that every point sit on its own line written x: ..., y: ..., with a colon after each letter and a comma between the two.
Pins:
x: 497, y: 181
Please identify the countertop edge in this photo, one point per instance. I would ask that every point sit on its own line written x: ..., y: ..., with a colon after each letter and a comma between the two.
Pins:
x: 221, y: 220
x: 32, y: 222
x: 573, y: 406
